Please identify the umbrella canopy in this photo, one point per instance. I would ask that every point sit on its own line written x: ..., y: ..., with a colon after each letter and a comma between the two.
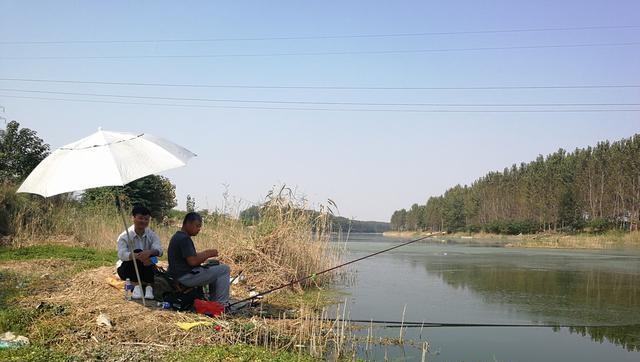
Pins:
x: 103, y: 159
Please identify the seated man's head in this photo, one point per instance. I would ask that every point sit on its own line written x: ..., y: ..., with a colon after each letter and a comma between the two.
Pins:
x: 192, y: 223
x: 141, y: 216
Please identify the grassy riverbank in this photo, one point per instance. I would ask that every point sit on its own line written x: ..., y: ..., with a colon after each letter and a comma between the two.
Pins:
x: 608, y: 240
x: 54, y: 267
x: 52, y: 294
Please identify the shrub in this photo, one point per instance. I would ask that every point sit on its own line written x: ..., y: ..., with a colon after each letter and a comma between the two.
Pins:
x: 599, y: 225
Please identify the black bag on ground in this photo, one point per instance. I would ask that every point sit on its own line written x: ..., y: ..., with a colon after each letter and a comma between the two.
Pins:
x: 179, y: 301
x: 167, y: 289
x: 183, y: 300
x: 162, y: 284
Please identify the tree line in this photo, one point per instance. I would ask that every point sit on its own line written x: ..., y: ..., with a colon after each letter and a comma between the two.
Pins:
x: 252, y: 215
x: 590, y: 189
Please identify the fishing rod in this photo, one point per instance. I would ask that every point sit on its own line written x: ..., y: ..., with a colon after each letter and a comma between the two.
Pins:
x: 236, y: 277
x: 311, y: 276
x: 396, y: 324
x: 449, y: 325
x: 407, y: 324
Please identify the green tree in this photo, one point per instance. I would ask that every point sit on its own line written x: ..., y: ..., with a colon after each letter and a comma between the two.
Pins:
x: 413, y: 218
x: 155, y: 192
x: 21, y: 150
x: 596, y: 187
x: 399, y: 220
x: 251, y: 215
x: 433, y: 214
x: 454, y: 217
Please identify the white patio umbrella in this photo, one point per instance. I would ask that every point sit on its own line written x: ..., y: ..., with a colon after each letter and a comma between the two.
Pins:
x: 104, y: 159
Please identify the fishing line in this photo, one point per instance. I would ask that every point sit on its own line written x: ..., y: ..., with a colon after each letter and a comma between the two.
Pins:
x: 311, y: 276
x: 407, y: 324
x: 397, y: 324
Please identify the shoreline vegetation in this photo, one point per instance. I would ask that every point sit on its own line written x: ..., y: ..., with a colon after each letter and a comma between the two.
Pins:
x: 60, y: 252
x: 606, y: 240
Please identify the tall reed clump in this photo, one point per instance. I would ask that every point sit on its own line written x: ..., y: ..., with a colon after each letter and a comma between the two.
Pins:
x: 8, y: 206
x: 287, y: 242
x: 320, y: 334
x: 26, y: 218
x: 31, y: 219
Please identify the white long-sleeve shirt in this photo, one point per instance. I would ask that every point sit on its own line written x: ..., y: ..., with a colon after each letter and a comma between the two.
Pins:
x: 148, y: 241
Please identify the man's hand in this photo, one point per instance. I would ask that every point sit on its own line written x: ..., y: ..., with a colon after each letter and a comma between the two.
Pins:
x: 145, y: 257
x: 201, y: 257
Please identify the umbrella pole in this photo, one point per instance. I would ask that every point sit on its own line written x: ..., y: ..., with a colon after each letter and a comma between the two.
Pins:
x: 131, y: 247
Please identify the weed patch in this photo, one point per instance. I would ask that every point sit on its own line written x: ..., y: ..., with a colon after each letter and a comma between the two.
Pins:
x: 32, y: 353
x: 237, y: 353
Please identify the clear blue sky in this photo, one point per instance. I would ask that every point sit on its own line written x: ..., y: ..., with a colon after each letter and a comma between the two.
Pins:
x: 370, y: 163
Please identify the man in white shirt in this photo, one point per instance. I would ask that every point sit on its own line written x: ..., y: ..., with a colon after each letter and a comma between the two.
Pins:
x: 146, y: 245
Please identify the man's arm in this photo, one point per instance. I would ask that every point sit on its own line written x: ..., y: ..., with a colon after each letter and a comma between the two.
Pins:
x: 123, y: 249
x: 145, y: 255
x: 156, y: 246
x: 155, y: 249
x: 199, y: 258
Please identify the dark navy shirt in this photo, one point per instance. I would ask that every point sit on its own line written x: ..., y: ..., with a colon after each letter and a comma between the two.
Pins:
x: 180, y: 247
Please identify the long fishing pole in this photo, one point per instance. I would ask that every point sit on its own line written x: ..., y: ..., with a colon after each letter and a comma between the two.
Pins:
x: 407, y: 324
x: 449, y: 325
x: 397, y: 324
x: 328, y: 270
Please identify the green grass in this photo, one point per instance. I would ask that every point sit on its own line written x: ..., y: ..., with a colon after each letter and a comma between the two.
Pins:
x: 31, y: 353
x: 9, y: 287
x: 21, y: 320
x: 16, y: 320
x: 90, y: 258
x: 235, y: 353
x: 40, y: 324
x: 12, y: 317
x: 17, y: 284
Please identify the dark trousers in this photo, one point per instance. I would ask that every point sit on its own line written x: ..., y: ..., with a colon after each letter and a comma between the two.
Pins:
x: 127, y: 270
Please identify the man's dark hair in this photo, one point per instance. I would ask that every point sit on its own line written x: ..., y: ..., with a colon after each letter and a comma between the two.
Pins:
x: 191, y: 217
x: 140, y: 210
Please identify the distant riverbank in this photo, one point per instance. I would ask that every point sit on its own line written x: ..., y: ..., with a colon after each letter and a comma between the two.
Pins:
x: 609, y: 240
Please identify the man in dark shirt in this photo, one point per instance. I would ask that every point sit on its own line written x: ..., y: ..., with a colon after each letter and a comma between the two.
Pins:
x: 185, y: 262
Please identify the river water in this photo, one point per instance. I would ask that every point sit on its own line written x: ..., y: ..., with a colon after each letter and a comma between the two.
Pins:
x: 453, y: 283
